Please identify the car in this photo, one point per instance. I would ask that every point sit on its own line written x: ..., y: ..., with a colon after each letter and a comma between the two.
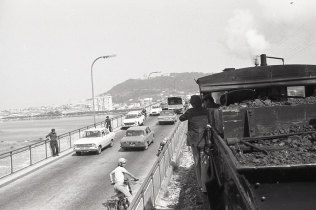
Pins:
x: 167, y: 117
x: 155, y: 110
x: 133, y: 118
x: 138, y: 137
x: 94, y: 140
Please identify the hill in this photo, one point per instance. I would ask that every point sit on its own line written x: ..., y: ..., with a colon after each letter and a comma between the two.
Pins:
x: 155, y: 87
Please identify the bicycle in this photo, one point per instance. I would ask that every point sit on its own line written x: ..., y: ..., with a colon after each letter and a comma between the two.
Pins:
x: 119, y: 200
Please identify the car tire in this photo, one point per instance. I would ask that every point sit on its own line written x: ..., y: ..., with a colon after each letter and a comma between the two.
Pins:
x: 99, y: 150
x: 112, y: 143
x: 78, y: 153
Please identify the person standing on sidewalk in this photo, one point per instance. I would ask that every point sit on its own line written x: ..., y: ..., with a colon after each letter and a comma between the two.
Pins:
x: 53, y: 142
x: 197, y: 123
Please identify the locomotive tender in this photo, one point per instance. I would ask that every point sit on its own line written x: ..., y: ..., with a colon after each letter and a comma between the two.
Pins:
x: 263, y: 153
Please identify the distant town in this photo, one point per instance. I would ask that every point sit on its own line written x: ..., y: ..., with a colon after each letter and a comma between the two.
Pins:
x: 130, y: 94
x: 103, y: 104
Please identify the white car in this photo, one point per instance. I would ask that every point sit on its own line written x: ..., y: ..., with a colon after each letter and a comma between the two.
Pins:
x: 94, y: 140
x: 155, y: 110
x: 133, y: 118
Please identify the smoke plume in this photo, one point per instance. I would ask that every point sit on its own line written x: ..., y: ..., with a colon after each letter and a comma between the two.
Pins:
x: 243, y: 37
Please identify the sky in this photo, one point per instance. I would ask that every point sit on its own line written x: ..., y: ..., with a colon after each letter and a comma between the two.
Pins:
x: 47, y: 47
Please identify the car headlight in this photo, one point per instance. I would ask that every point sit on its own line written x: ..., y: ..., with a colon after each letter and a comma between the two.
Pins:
x: 94, y: 145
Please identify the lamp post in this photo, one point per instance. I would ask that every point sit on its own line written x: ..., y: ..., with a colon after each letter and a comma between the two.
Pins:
x: 104, y: 57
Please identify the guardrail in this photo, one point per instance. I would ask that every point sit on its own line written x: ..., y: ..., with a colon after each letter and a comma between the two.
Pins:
x: 21, y: 158
x: 148, y: 192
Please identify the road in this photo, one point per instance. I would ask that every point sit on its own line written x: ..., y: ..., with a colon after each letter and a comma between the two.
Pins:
x: 81, y: 182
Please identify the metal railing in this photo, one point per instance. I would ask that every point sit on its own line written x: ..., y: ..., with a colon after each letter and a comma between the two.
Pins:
x: 24, y: 157
x: 148, y: 192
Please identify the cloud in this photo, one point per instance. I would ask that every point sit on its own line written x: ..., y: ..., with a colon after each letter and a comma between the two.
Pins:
x: 243, y: 37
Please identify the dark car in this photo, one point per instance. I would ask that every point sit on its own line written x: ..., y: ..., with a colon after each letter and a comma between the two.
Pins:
x: 138, y: 137
x: 167, y: 117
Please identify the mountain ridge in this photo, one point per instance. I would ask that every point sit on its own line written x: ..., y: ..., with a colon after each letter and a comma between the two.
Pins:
x: 155, y: 87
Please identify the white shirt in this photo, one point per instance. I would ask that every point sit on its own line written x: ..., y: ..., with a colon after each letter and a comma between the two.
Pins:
x: 119, y: 174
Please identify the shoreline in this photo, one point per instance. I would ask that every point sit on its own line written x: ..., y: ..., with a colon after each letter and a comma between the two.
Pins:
x: 47, y: 117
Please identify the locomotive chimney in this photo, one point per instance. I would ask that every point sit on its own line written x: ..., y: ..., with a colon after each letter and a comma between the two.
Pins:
x: 263, y: 60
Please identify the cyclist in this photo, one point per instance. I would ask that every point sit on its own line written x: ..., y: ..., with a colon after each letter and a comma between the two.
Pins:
x: 144, y: 112
x: 117, y: 178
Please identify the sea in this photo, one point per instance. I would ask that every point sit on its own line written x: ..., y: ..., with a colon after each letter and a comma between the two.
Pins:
x: 18, y: 133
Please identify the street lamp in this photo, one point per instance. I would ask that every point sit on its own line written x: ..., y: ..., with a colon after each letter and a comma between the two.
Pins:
x: 104, y: 57
x: 153, y: 73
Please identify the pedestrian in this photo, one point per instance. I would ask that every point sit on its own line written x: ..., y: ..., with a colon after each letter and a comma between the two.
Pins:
x: 210, y: 105
x: 108, y: 123
x: 53, y: 142
x: 208, y: 101
x: 197, y: 124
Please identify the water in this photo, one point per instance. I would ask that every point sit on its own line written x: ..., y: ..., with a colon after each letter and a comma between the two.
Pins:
x: 14, y: 134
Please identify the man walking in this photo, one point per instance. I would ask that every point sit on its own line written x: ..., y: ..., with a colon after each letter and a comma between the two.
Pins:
x: 53, y: 142
x: 108, y: 124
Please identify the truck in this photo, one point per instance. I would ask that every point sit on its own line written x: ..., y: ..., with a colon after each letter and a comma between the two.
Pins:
x: 262, y: 137
x: 176, y: 103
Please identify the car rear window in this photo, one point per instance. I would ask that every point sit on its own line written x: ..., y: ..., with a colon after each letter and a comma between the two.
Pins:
x: 131, y: 116
x: 134, y: 133
x: 167, y: 113
x: 89, y: 134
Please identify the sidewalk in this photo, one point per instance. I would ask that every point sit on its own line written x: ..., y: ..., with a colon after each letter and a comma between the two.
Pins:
x: 23, y: 172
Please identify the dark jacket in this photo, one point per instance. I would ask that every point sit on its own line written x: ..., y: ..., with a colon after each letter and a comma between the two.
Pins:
x: 52, y: 136
x: 197, y: 121
x: 108, y: 122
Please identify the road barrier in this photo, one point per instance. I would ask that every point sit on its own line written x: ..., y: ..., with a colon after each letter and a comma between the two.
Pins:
x: 24, y: 157
x: 148, y: 192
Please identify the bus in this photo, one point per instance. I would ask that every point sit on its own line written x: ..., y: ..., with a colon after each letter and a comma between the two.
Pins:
x: 176, y: 103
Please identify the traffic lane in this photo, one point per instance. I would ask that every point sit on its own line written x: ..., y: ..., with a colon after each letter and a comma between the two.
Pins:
x: 78, y: 182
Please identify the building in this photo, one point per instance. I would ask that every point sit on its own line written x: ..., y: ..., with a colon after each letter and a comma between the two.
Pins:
x: 145, y: 101
x: 103, y: 103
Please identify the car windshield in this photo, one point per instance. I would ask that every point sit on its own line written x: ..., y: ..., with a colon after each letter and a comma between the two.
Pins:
x: 131, y: 116
x: 167, y: 113
x: 174, y: 100
x: 134, y: 133
x: 155, y: 107
x: 89, y: 134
